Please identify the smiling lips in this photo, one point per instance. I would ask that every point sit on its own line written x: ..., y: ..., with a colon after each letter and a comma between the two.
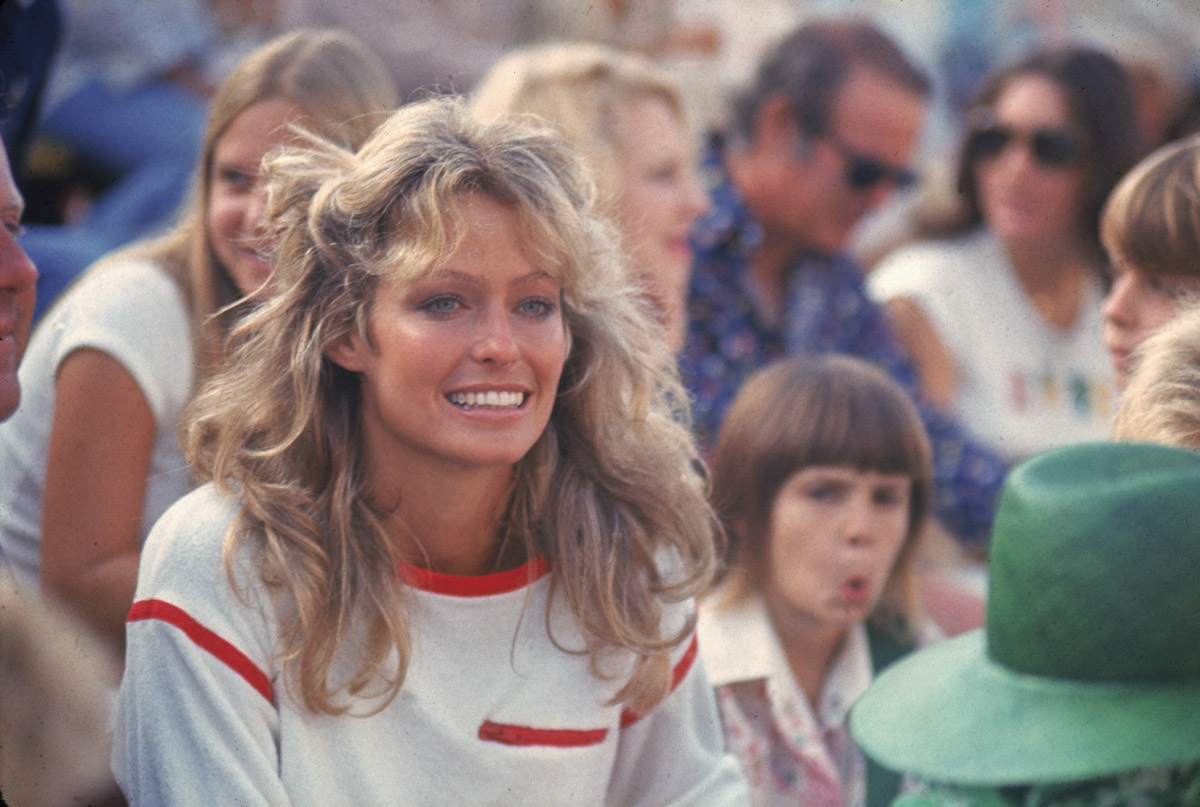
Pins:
x: 492, y: 399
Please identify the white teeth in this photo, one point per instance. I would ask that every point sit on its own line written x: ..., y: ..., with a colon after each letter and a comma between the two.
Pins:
x: 491, y: 398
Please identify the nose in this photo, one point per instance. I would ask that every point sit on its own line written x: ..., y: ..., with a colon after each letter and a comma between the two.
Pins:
x: 494, y: 339
x: 857, y: 523
x: 1016, y: 159
x: 1118, y: 308
x: 18, y: 275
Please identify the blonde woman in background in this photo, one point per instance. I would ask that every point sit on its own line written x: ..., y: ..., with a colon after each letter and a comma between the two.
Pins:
x: 91, y: 456
x: 628, y: 120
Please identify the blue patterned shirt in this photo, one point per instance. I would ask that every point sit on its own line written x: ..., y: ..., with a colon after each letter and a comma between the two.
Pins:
x: 827, y: 311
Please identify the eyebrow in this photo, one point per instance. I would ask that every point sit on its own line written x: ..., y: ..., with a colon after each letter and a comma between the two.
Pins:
x: 523, y: 280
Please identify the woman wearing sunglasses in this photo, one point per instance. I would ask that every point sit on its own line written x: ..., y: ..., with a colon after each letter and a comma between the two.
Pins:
x: 1001, y: 312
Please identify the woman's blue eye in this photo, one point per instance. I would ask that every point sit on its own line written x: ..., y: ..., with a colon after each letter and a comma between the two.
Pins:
x: 445, y: 304
x: 538, y: 307
x: 236, y: 178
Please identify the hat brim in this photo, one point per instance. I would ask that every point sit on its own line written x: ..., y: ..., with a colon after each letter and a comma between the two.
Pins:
x: 949, y: 713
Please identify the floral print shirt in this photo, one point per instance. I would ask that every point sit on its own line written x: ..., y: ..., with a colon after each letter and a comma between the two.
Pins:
x: 790, y: 754
x: 827, y: 311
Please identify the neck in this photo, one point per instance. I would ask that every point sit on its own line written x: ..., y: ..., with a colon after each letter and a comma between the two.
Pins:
x: 1054, y: 277
x: 453, y: 523
x: 809, y: 646
x: 767, y: 268
x: 753, y: 177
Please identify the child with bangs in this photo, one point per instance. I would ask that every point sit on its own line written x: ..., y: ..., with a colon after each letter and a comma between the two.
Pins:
x: 1150, y: 227
x: 822, y: 477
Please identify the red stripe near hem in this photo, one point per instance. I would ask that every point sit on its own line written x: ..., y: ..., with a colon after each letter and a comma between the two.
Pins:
x: 225, y: 652
x: 629, y: 717
x: 508, y: 734
x: 482, y: 585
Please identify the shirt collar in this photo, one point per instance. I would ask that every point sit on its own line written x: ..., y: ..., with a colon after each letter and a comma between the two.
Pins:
x: 728, y: 227
x: 740, y: 644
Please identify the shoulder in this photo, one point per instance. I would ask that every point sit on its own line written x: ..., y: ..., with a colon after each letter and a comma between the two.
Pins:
x: 925, y: 265
x: 124, y: 281
x: 185, y: 547
x: 183, y: 570
x: 736, y: 639
x: 135, y: 312
x: 133, y: 298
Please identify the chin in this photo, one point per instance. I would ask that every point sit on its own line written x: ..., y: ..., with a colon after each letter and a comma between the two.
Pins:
x: 495, y: 455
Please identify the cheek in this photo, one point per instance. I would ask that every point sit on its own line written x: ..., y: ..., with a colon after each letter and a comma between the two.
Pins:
x: 639, y: 216
x: 985, y: 184
x: 669, y: 284
x: 789, y: 532
x: 1157, y: 312
x: 1066, y: 192
x: 224, y: 217
x: 553, y: 356
x: 894, y: 531
x: 1142, y: 309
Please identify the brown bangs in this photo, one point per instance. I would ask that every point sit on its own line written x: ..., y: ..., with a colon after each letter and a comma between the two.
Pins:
x: 808, y: 411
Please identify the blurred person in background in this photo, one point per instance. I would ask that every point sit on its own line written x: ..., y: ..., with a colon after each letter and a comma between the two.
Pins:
x: 1150, y: 227
x: 92, y: 457
x: 823, y: 137
x: 628, y: 120
x: 1001, y: 315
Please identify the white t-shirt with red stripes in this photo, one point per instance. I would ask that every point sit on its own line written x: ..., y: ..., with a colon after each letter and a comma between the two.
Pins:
x: 491, y: 711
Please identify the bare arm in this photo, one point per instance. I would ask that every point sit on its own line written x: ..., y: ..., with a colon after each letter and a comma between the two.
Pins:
x: 920, y: 340
x: 101, y: 442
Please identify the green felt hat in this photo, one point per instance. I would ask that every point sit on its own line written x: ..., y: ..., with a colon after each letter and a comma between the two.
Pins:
x: 1090, y: 662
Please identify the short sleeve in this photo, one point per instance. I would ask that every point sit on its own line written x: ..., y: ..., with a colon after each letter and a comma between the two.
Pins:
x: 197, y: 716
x: 134, y: 312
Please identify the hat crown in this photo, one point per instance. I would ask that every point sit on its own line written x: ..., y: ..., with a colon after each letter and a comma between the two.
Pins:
x: 1095, y: 565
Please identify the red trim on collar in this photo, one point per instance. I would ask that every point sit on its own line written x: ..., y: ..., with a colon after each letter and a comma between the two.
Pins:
x: 481, y: 585
x: 225, y: 652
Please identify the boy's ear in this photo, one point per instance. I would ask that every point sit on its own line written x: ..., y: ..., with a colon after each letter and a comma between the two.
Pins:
x: 349, y: 352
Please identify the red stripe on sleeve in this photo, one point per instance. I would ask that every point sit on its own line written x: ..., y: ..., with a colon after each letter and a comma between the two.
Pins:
x: 229, y: 655
x: 629, y: 717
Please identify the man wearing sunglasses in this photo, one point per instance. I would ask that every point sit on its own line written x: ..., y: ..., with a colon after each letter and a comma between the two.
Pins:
x: 823, y: 137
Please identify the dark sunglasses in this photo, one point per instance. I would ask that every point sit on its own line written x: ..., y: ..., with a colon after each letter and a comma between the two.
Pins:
x: 1052, y: 148
x: 864, y: 173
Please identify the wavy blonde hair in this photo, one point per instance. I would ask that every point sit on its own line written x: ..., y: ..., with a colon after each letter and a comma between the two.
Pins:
x: 345, y: 92
x: 581, y: 89
x: 608, y: 491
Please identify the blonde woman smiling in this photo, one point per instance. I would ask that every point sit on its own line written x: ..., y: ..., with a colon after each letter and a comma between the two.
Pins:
x: 452, y: 518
